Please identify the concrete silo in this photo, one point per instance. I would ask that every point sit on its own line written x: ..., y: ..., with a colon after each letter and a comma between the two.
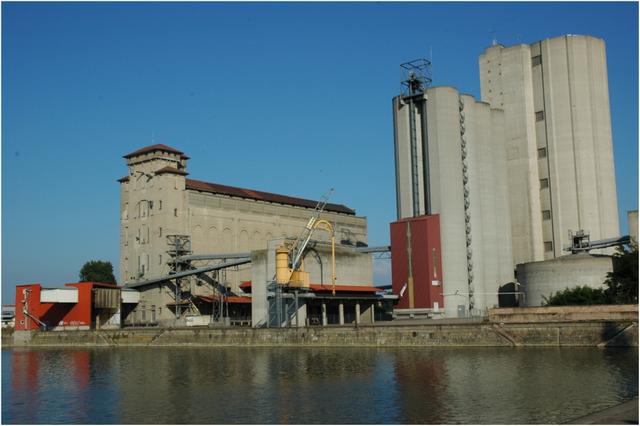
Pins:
x: 449, y: 152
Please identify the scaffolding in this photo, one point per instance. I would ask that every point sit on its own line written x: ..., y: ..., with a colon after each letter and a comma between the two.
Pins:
x: 179, y: 245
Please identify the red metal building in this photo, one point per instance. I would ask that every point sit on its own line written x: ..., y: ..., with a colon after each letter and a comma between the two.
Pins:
x: 416, y: 263
x: 82, y: 305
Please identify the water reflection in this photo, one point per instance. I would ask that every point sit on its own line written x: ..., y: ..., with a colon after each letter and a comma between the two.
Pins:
x: 313, y: 385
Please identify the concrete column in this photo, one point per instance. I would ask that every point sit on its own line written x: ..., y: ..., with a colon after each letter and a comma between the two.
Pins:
x: 341, y: 313
x: 357, y: 313
x: 372, y: 307
x: 324, y: 314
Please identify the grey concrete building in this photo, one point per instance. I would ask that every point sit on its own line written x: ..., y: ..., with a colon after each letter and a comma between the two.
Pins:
x: 560, y: 169
x: 157, y: 199
x: 542, y: 279
x: 450, y: 160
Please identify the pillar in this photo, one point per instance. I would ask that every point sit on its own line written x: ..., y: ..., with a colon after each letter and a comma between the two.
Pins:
x: 324, y: 314
x: 357, y: 313
x: 341, y: 313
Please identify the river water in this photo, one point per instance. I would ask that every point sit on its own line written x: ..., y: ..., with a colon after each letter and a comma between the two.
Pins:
x: 313, y: 385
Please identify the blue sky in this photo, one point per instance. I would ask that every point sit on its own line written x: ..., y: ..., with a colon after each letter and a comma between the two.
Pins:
x: 292, y: 98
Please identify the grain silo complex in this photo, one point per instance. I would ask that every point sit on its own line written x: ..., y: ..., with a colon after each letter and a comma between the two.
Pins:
x: 526, y: 175
x: 451, y: 165
x: 555, y: 98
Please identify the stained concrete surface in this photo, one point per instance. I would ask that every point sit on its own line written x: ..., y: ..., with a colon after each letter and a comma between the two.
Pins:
x: 623, y: 414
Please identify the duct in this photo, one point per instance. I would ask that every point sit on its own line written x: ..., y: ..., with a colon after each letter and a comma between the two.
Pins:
x: 217, y: 267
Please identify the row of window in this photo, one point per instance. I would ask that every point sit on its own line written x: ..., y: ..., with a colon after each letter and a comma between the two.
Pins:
x: 143, y: 209
x: 140, y: 314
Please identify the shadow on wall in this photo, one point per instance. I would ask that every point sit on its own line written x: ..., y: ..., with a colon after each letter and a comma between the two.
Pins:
x: 507, y: 297
x: 613, y: 334
x: 55, y: 314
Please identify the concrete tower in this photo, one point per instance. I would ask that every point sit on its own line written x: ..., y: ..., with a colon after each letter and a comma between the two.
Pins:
x: 555, y: 98
x: 449, y: 152
x: 153, y: 204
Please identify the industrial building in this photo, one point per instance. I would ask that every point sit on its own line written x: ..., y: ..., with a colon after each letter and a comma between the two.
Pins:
x: 188, y: 246
x: 555, y: 98
x: 450, y: 162
x: 78, y: 306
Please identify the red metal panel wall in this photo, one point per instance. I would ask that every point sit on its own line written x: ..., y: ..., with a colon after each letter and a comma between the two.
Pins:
x: 426, y: 261
x: 54, y: 314
x: 33, y: 302
x: 80, y: 314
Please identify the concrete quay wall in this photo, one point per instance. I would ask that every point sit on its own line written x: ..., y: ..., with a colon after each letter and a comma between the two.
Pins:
x: 564, y: 314
x: 593, y: 333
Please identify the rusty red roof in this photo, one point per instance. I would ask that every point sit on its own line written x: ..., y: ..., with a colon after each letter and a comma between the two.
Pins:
x: 327, y: 287
x: 228, y: 299
x: 92, y: 284
x: 156, y: 147
x: 263, y: 196
x: 345, y: 288
x: 169, y: 169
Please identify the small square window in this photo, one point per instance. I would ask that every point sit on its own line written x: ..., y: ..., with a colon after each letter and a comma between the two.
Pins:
x: 544, y: 183
x: 548, y: 246
x: 546, y: 214
x: 539, y: 115
x: 542, y: 152
x: 536, y: 60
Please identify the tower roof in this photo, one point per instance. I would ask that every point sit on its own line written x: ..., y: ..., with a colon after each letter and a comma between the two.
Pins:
x: 156, y: 147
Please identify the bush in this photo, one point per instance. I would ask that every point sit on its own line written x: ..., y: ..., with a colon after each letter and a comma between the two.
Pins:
x: 581, y: 295
x: 622, y: 283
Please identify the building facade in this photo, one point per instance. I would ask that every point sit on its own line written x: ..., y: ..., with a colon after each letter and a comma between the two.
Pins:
x: 158, y: 200
x: 449, y: 152
x: 560, y: 169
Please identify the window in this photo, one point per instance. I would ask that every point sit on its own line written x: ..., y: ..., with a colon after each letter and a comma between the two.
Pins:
x: 175, y: 212
x: 539, y: 115
x: 160, y: 232
x: 159, y: 259
x: 153, y: 313
x: 144, y: 314
x: 546, y: 214
x: 544, y: 183
x: 160, y: 205
x: 536, y: 60
x: 542, y: 152
x: 548, y: 246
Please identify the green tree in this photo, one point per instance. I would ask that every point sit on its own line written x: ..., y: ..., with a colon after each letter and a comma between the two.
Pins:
x: 97, y: 271
x: 622, y: 283
x: 581, y: 295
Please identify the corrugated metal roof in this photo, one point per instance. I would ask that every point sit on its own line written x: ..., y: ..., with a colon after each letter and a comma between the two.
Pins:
x: 263, y: 196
